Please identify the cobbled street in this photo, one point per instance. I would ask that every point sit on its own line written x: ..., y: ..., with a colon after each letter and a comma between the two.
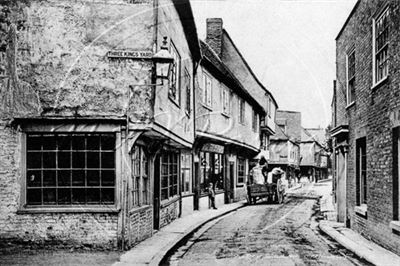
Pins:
x: 266, y: 234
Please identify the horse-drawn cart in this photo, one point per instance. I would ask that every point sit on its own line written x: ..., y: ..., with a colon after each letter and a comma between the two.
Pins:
x: 273, y: 192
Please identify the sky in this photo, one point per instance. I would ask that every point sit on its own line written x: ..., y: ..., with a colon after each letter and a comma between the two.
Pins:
x: 289, y: 44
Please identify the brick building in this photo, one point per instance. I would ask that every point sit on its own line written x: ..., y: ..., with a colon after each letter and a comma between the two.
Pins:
x: 284, y: 148
x: 366, y: 122
x: 91, y: 139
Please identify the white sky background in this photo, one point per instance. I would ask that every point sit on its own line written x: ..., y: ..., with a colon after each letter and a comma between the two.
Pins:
x: 289, y: 44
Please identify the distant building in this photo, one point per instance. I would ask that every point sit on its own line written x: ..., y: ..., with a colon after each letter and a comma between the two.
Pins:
x: 366, y: 122
x: 313, y: 154
x: 284, y: 148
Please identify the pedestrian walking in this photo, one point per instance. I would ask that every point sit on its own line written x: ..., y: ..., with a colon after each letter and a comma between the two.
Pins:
x: 211, y: 196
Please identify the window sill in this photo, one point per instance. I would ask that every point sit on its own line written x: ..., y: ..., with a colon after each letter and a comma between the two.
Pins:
x: 28, y: 210
x: 174, y: 102
x: 380, y: 83
x: 187, y: 195
x: 139, y: 209
x: 167, y: 202
x: 350, y: 105
x: 361, y: 210
x: 206, y: 106
x: 395, y: 225
x: 240, y: 185
x: 225, y: 114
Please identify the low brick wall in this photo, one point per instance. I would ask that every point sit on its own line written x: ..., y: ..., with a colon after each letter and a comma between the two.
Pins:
x: 140, y: 224
x: 169, y: 212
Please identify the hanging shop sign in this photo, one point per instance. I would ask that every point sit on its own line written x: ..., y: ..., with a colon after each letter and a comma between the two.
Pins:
x: 122, y: 54
x: 210, y: 147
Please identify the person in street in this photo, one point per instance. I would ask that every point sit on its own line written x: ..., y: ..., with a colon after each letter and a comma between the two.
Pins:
x: 259, y: 172
x: 211, y: 196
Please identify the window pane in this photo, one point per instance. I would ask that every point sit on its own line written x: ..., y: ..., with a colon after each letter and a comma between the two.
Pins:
x: 93, y: 177
x: 34, y: 178
x: 64, y: 160
x: 164, y: 181
x: 93, y: 160
x: 64, y: 196
x: 49, y: 160
x: 34, y: 196
x: 64, y: 142
x: 64, y: 177
x: 49, y: 142
x: 107, y: 160
x: 107, y: 178
x: 78, y: 160
x: 108, y: 142
x: 34, y: 142
x: 107, y: 195
x: 164, y: 194
x: 49, y: 196
x: 78, y: 196
x: 93, y: 142
x: 49, y: 178
x: 93, y: 195
x: 78, y: 177
x: 78, y: 142
x: 34, y: 160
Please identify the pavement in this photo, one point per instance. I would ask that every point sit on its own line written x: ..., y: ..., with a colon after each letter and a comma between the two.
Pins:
x: 348, y: 238
x: 152, y: 250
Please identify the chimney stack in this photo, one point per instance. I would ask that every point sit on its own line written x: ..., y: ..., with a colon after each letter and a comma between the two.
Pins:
x: 214, y: 35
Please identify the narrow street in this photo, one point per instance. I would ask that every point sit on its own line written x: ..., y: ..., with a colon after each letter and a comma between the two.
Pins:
x: 264, y: 234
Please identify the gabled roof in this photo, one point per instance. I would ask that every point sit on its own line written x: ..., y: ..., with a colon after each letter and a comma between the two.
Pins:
x: 279, y: 134
x: 214, y: 64
x: 348, y: 19
x: 185, y: 13
x: 249, y: 68
x: 313, y: 135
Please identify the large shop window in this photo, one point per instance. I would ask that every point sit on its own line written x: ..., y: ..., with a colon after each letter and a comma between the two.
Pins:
x: 169, y: 175
x: 70, y: 169
x: 361, y: 171
x: 140, y: 177
x: 186, y: 174
x: 241, y: 171
x: 381, y: 46
x: 212, y: 171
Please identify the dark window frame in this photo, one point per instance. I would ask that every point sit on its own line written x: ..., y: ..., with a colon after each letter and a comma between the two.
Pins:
x: 361, y: 172
x: 351, y: 76
x: 381, y: 45
x: 62, y: 176
x: 169, y: 175
x: 174, y: 90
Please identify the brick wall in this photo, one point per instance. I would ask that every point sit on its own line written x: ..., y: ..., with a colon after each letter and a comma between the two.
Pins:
x: 169, y: 213
x: 140, y: 224
x: 369, y: 117
x: 92, y: 229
